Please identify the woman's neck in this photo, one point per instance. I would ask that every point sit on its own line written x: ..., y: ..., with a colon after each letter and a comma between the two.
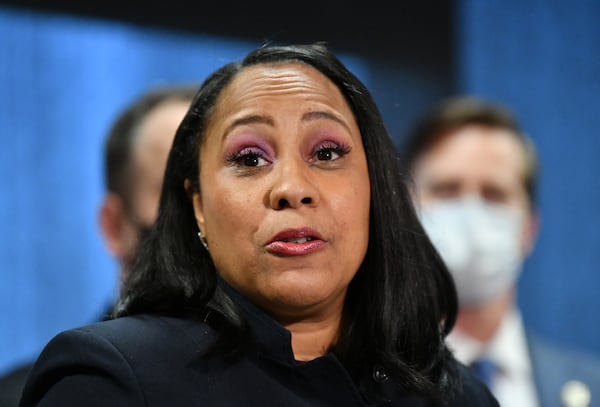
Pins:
x: 312, y: 338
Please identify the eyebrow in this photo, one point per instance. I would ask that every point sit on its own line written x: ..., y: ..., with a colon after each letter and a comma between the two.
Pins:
x: 320, y: 114
x: 255, y: 118
x: 266, y: 119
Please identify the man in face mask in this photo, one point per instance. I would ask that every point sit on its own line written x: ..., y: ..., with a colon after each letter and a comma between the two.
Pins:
x: 474, y: 175
x: 136, y: 153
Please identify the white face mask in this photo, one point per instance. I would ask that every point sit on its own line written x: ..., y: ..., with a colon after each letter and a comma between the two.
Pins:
x: 480, y: 244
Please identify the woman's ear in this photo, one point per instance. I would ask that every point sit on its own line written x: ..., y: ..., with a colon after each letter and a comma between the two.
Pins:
x: 195, y: 197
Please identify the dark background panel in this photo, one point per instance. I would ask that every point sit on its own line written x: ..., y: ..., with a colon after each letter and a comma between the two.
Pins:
x: 410, y: 30
x: 408, y: 47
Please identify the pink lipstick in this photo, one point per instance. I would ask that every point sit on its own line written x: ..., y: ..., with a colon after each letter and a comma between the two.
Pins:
x: 295, y: 242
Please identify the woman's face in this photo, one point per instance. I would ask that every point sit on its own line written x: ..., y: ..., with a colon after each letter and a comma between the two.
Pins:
x: 284, y: 190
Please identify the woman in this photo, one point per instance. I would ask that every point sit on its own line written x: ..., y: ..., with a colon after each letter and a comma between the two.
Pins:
x: 286, y: 266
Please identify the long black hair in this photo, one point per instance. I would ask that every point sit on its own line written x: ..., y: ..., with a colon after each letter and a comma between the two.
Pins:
x: 401, y: 303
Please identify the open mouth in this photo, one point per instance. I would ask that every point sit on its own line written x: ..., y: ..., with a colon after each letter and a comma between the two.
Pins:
x: 294, y: 242
x: 299, y: 240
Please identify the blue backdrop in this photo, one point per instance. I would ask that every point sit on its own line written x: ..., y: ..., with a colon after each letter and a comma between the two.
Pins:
x: 542, y: 58
x: 63, y: 81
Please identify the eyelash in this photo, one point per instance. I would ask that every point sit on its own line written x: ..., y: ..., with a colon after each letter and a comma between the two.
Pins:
x: 330, y: 147
x: 247, y: 153
x: 242, y: 158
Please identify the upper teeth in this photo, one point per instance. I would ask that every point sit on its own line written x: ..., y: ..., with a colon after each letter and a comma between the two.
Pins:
x: 300, y: 240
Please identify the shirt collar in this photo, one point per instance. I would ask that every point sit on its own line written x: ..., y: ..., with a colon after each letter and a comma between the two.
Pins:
x: 507, y: 348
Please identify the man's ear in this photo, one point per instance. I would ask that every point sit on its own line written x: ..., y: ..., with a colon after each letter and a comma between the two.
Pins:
x: 530, y: 232
x: 112, y: 224
x: 196, y: 198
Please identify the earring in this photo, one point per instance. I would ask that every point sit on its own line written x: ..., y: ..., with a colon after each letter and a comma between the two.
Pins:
x: 203, y: 240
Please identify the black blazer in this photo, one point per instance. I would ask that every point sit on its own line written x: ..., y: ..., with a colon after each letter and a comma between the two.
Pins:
x: 149, y: 360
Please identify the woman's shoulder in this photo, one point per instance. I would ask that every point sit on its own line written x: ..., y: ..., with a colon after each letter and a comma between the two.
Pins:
x: 469, y: 390
x: 145, y: 322
x: 122, y: 357
x: 143, y: 332
x: 129, y: 341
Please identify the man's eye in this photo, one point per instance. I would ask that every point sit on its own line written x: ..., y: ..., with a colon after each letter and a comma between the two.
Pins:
x: 444, y: 190
x: 493, y: 194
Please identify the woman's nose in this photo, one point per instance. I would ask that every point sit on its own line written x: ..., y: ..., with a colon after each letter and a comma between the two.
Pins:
x: 293, y: 187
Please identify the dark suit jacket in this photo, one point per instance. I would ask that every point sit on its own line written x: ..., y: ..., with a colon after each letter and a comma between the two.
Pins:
x: 149, y: 360
x: 555, y: 366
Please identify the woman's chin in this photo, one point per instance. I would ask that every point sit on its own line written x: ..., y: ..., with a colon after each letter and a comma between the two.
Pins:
x: 301, y: 299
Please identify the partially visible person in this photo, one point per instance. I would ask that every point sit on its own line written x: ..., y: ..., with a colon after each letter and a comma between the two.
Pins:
x: 278, y: 272
x: 135, y: 154
x: 475, y: 176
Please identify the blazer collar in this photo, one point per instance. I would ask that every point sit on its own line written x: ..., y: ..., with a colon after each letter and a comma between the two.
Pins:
x: 273, y: 340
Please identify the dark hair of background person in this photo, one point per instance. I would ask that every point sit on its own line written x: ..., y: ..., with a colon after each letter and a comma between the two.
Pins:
x: 461, y: 111
x: 119, y: 143
x: 399, y: 306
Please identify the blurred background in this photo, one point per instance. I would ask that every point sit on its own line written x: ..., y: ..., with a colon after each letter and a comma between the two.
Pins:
x: 68, y: 67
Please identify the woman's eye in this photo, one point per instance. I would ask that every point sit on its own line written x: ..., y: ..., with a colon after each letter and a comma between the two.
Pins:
x: 331, y: 152
x: 248, y: 157
x: 326, y: 154
x: 251, y: 160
